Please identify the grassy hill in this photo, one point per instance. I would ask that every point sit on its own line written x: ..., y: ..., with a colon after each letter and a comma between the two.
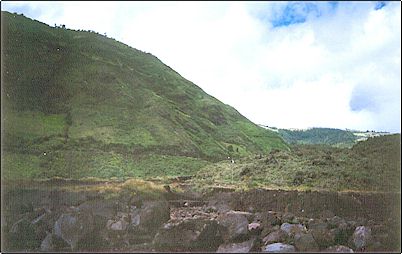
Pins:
x: 78, y: 104
x: 326, y: 136
x: 371, y: 165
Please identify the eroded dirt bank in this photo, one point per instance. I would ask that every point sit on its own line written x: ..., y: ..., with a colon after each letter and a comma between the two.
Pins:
x: 50, y: 219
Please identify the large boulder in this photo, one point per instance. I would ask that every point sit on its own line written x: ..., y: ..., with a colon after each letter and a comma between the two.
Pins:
x: 305, y: 242
x: 278, y: 247
x: 243, y: 247
x: 188, y: 235
x: 74, y: 227
x: 361, y: 237
x: 233, y: 226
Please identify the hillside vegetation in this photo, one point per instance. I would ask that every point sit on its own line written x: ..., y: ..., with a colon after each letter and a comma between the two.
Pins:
x: 78, y: 104
x: 326, y: 136
x: 371, y: 165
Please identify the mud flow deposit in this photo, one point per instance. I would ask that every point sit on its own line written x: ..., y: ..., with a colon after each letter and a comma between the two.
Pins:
x: 79, y: 217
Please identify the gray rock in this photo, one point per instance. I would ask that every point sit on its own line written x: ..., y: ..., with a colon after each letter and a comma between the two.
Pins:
x: 243, y: 247
x: 119, y: 225
x: 73, y: 227
x: 23, y: 234
x: 269, y: 218
x: 305, y: 242
x: 275, y: 237
x: 254, y: 227
x: 336, y: 222
x: 361, y: 237
x: 339, y: 248
x: 288, y: 217
x: 278, y: 247
x: 232, y: 226
x: 103, y: 208
x: 48, y: 243
x: 153, y: 214
x: 323, y: 236
x: 292, y: 229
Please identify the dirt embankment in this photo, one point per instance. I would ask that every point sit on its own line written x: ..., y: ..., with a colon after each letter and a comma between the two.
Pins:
x: 376, y: 206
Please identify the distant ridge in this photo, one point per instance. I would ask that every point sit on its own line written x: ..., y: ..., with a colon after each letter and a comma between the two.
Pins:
x: 328, y: 136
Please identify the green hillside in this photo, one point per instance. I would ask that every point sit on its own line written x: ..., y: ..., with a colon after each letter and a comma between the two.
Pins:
x: 371, y: 165
x: 78, y: 104
x: 328, y: 136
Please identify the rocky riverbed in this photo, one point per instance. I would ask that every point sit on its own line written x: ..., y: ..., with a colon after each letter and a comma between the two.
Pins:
x: 57, y: 220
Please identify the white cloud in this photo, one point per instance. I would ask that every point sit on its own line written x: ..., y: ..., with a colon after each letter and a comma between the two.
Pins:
x: 301, y: 75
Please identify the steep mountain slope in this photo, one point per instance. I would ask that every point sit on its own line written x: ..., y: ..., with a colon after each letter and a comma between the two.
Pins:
x: 76, y: 103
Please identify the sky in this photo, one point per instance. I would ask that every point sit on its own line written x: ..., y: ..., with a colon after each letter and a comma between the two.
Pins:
x: 280, y: 64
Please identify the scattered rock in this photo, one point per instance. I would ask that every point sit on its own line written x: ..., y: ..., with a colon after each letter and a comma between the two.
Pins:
x: 243, y: 247
x: 104, y: 208
x: 268, y: 230
x: 119, y: 225
x: 270, y: 221
x: 73, y: 227
x: 288, y: 217
x: 188, y: 235
x: 278, y: 247
x: 323, y: 236
x: 339, y: 248
x: 292, y: 229
x: 153, y: 214
x: 275, y: 237
x: 336, y: 222
x: 255, y: 228
x: 361, y: 237
x: 305, y: 242
x: 23, y: 234
x: 48, y: 243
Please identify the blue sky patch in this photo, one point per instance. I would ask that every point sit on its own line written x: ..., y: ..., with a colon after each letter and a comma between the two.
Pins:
x: 298, y: 12
x: 23, y: 9
x: 379, y: 5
